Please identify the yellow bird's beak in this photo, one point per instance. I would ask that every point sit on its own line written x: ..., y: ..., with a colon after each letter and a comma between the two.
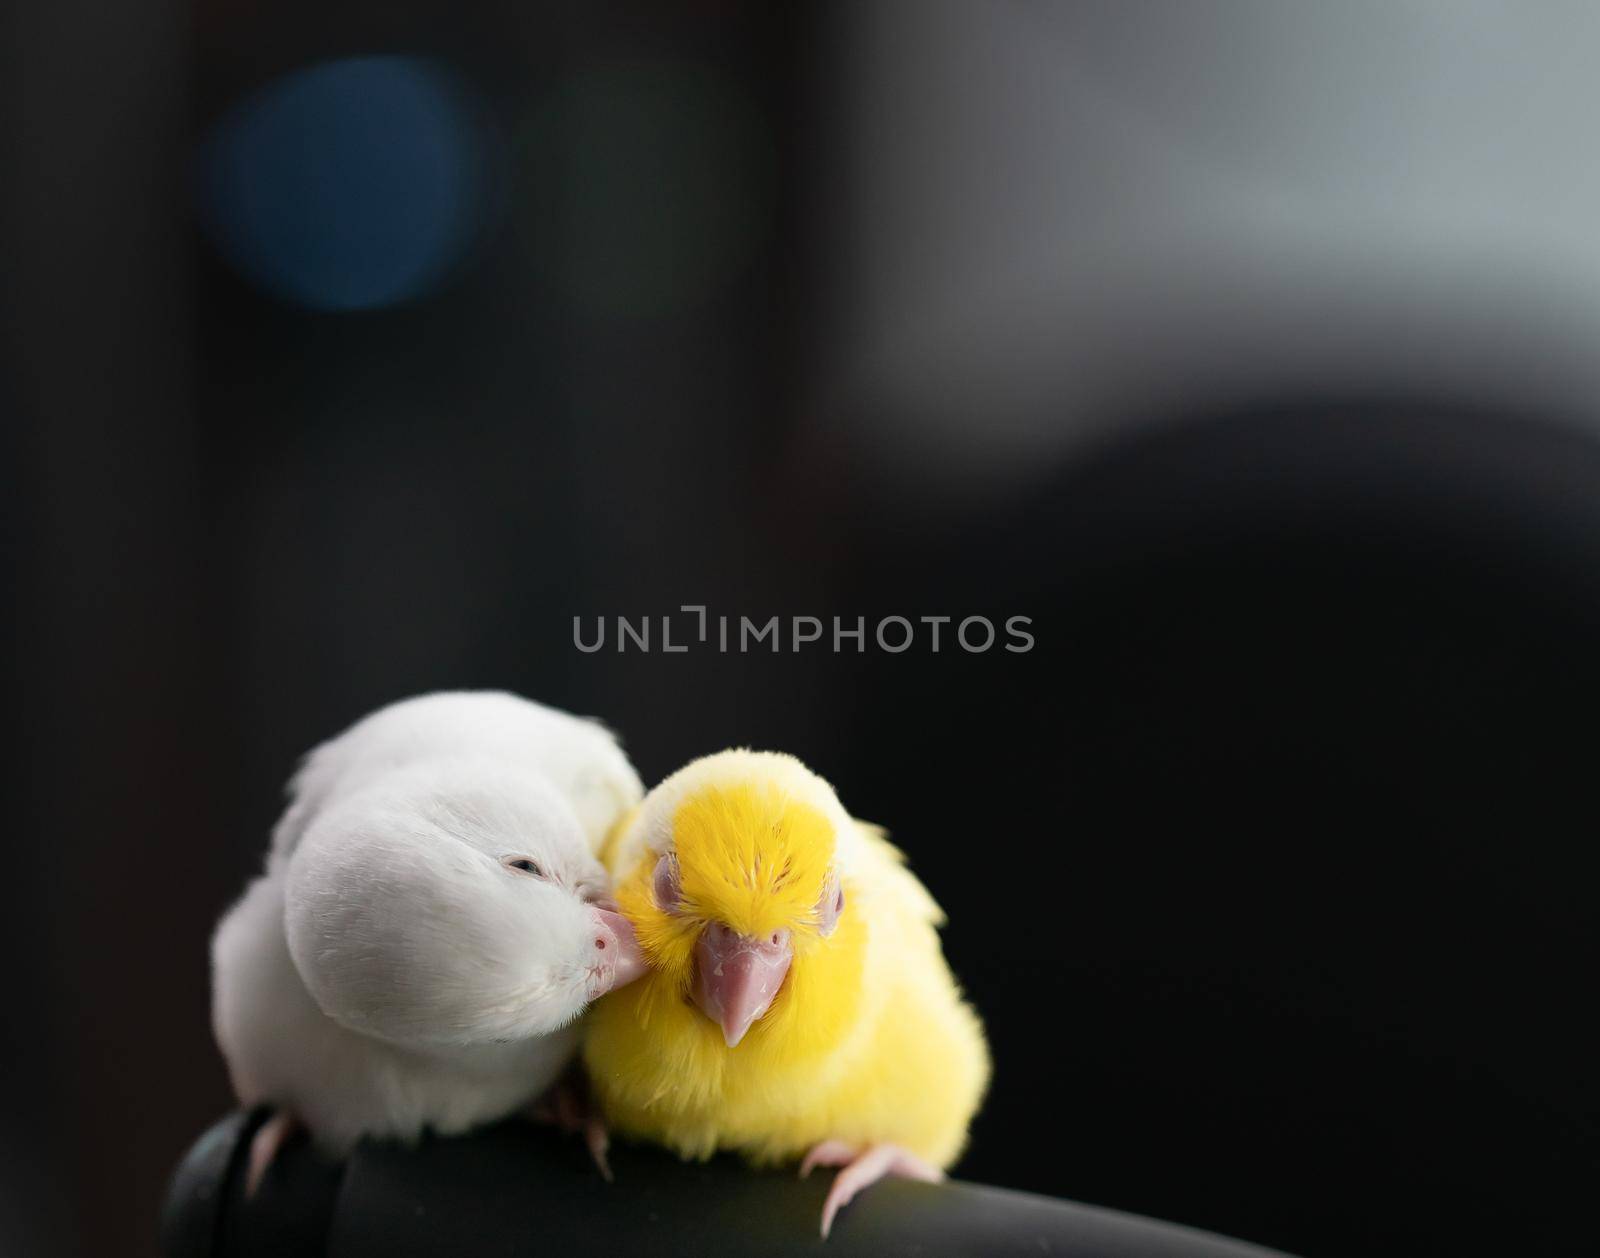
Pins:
x: 736, y: 976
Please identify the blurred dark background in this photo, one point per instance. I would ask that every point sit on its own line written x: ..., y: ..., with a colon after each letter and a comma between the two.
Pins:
x: 350, y: 351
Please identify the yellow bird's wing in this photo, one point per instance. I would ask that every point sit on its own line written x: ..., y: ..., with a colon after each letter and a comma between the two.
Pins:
x: 882, y: 870
x: 928, y: 1065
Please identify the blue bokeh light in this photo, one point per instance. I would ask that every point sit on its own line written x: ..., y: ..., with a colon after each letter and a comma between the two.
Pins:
x: 350, y: 185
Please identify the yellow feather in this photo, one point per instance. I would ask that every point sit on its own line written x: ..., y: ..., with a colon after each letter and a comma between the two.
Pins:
x: 867, y: 1042
x: 611, y: 844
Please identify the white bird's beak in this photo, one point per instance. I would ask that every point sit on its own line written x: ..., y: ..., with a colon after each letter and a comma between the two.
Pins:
x: 736, y: 977
x: 618, y: 959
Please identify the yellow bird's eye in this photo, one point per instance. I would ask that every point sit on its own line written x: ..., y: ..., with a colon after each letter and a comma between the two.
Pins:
x: 664, y: 885
x: 829, y: 905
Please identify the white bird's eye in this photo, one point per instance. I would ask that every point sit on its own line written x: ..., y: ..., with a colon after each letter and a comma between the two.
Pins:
x: 524, y: 865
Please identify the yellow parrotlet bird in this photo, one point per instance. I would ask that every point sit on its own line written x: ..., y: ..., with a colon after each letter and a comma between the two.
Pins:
x: 797, y: 1005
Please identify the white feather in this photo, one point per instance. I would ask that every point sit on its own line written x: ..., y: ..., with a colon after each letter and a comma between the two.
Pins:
x: 389, y: 972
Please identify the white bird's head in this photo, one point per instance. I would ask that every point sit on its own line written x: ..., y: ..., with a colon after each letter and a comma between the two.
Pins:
x: 454, y: 904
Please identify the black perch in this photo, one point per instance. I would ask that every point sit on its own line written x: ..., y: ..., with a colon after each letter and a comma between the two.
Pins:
x: 517, y: 1189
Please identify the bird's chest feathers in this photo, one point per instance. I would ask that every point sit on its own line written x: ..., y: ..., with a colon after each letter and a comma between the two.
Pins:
x: 666, y: 1071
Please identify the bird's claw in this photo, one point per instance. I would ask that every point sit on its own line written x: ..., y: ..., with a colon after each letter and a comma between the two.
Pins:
x: 270, y: 1137
x: 598, y: 1139
x: 862, y: 1171
x: 828, y: 1153
x: 568, y: 1106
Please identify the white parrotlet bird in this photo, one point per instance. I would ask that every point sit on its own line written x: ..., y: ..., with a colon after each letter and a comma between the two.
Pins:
x: 432, y: 922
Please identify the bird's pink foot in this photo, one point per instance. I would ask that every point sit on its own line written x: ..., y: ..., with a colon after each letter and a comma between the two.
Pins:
x: 568, y: 1105
x: 270, y: 1137
x: 598, y: 1139
x: 562, y: 1106
x: 861, y: 1170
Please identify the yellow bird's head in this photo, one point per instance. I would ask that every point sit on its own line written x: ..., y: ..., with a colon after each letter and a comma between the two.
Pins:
x: 740, y: 888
